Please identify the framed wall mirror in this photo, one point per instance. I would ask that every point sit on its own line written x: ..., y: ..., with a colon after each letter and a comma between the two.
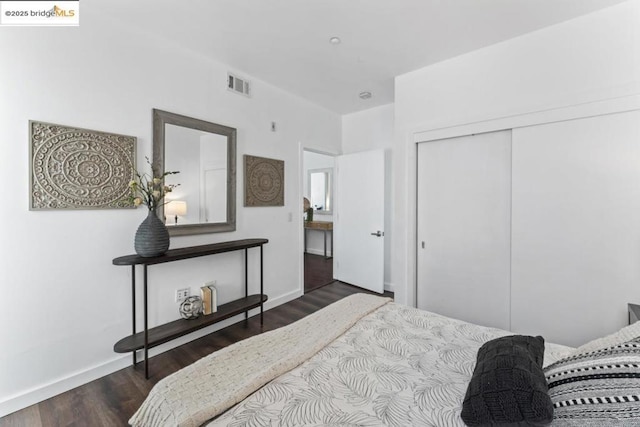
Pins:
x: 205, y: 155
x: 320, y: 194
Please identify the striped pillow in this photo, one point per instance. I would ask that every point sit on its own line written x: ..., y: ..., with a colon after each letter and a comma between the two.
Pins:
x: 597, y: 388
x: 625, y: 334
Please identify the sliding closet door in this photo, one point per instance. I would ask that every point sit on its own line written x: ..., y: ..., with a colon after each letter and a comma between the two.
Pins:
x: 464, y: 208
x: 576, y: 227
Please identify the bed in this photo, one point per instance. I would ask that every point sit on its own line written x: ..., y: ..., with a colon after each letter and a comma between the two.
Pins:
x: 372, y: 363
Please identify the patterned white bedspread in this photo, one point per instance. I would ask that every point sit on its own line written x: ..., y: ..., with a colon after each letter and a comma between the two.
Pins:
x: 397, y: 366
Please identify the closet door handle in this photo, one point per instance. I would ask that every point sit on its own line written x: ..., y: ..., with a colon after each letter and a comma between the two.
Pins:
x: 378, y: 233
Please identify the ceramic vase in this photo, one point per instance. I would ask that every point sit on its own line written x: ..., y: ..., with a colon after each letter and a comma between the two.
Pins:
x: 152, y: 237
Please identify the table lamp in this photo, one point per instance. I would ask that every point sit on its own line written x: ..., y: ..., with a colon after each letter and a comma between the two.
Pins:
x: 176, y: 208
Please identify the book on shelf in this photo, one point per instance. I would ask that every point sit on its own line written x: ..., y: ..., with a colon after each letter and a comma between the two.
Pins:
x: 214, y: 296
x: 209, y: 298
x: 205, y: 292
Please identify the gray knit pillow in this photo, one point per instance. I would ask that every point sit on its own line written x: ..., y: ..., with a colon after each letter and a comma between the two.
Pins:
x: 508, y: 385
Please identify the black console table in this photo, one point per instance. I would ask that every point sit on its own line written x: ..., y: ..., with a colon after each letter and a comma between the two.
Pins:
x: 149, y: 338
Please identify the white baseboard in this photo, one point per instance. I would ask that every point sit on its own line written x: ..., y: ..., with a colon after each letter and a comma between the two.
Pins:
x: 38, y: 394
x: 319, y: 251
x: 390, y: 287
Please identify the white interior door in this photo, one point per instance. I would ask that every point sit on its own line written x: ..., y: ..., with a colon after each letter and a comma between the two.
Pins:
x: 359, y: 221
x: 464, y: 228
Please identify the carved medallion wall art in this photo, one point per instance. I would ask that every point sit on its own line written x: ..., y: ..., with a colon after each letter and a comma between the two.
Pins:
x: 73, y: 168
x: 263, y: 181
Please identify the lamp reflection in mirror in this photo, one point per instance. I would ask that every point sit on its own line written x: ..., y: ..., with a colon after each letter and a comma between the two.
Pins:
x: 176, y: 208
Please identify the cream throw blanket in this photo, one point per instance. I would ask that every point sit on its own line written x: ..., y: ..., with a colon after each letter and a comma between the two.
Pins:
x: 206, y: 388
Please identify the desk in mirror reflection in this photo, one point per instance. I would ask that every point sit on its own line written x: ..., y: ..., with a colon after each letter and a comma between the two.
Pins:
x: 326, y: 227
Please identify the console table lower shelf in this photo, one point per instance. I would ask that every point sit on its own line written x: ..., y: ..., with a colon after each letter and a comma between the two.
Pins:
x: 148, y: 338
x: 172, y: 330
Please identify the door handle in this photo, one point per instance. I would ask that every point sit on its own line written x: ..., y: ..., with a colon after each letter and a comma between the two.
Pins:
x: 378, y: 233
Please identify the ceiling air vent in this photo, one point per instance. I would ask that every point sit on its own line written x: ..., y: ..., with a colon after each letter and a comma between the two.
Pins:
x: 238, y: 85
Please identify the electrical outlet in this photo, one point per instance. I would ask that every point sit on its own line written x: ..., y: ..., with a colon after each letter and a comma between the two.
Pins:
x: 182, y: 294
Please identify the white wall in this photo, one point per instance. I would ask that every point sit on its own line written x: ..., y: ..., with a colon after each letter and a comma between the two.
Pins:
x: 589, y: 59
x: 369, y: 130
x: 63, y: 303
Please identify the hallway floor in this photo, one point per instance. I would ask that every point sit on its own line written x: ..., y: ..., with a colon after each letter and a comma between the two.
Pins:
x: 318, y: 271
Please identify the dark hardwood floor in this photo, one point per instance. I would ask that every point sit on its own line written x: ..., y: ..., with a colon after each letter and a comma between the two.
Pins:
x: 111, y: 400
x: 318, y: 271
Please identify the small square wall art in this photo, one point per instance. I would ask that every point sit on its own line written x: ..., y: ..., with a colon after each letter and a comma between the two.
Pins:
x: 263, y: 181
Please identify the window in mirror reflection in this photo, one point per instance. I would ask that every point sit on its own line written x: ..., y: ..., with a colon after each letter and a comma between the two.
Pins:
x: 201, y: 158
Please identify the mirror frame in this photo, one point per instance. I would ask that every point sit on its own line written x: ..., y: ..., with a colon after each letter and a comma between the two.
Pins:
x: 160, y: 118
x: 328, y: 189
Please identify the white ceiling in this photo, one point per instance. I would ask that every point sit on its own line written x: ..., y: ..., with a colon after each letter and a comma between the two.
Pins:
x: 286, y: 42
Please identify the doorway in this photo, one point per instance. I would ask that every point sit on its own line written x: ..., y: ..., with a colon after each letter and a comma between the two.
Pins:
x: 318, y: 191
